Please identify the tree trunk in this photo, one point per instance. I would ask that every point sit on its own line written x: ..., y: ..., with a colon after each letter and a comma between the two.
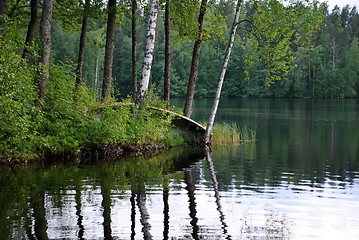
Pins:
x: 45, y: 36
x: 223, y: 72
x: 134, y: 51
x: 195, y: 58
x: 166, y: 77
x: 148, y: 56
x: 110, y: 35
x: 80, y: 59
x: 30, y: 29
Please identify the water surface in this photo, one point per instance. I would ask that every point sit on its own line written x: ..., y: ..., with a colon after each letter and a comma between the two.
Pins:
x: 299, y: 180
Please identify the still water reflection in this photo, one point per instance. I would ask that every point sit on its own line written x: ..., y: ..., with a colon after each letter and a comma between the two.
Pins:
x: 300, y: 180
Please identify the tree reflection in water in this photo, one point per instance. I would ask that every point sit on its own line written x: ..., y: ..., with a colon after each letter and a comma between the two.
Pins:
x: 40, y: 216
x: 192, y: 204
x: 212, y: 173
x: 145, y: 215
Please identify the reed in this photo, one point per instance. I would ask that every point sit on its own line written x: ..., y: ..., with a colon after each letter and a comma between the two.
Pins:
x: 231, y: 134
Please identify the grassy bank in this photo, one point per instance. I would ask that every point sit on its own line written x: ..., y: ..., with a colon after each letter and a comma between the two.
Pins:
x: 59, y: 126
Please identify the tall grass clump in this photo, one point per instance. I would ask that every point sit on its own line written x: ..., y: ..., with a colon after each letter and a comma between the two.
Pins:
x: 231, y: 134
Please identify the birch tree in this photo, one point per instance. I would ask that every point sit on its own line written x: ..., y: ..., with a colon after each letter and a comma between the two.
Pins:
x: 134, y: 50
x: 166, y: 75
x: 223, y: 72
x: 148, y: 55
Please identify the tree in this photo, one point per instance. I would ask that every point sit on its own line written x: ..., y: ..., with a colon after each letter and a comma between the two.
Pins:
x: 166, y: 77
x: 30, y: 29
x: 134, y: 50
x: 207, y: 135
x: 110, y: 35
x: 195, y: 59
x: 82, y: 46
x: 148, y: 55
x: 44, y: 56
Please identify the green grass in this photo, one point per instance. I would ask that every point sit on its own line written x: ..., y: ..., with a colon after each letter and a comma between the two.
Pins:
x: 231, y: 134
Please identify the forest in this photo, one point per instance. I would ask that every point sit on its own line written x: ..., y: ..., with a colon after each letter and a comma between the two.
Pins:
x: 326, y: 67
x: 58, y: 58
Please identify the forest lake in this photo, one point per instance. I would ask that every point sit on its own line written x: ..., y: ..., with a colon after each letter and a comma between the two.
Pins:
x: 299, y: 180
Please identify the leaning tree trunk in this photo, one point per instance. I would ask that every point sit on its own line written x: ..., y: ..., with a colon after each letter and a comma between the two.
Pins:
x: 44, y: 59
x: 195, y: 58
x: 30, y: 29
x: 223, y: 72
x: 134, y: 51
x: 150, y: 44
x: 110, y: 35
x: 80, y: 59
x: 166, y: 77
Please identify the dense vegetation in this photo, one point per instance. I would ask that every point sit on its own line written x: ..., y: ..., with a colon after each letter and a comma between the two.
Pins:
x: 61, y: 126
x: 43, y: 95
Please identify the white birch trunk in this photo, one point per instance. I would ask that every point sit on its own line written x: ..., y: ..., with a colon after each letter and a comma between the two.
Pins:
x: 207, y: 135
x: 150, y: 44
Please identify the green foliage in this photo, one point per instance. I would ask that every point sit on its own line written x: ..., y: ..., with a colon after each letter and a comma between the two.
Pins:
x: 62, y: 125
x: 19, y: 117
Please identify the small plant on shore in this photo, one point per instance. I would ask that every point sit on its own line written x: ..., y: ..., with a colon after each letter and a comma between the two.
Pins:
x: 231, y: 134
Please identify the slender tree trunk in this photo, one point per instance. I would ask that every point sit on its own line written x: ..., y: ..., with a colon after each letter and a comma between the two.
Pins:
x: 96, y: 74
x: 134, y: 51
x: 44, y: 59
x: 30, y: 29
x: 207, y: 135
x: 166, y: 77
x: 110, y: 35
x: 195, y: 58
x: 80, y: 59
x: 150, y: 44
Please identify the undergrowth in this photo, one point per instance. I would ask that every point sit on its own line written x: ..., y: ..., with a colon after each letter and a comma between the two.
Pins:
x: 69, y: 121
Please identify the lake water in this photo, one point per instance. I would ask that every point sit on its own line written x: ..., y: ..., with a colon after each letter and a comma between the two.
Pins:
x: 299, y: 180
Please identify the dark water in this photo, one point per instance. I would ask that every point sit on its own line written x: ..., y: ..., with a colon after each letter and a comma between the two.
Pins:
x: 299, y: 180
